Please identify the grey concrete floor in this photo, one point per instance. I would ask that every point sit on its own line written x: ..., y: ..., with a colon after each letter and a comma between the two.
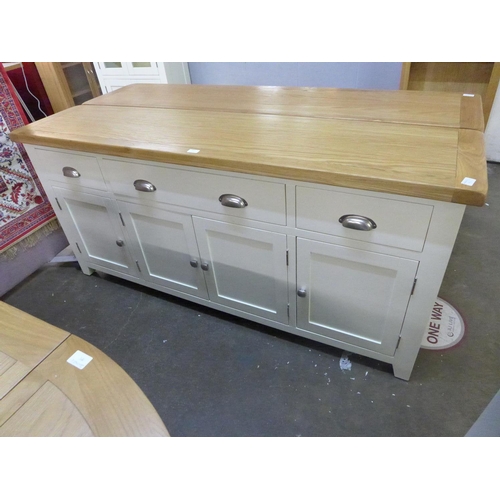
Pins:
x: 210, y: 374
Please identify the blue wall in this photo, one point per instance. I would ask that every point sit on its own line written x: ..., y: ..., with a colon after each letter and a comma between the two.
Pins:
x: 357, y: 75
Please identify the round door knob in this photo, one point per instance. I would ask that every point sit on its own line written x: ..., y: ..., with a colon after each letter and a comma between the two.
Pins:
x: 204, y: 266
x: 301, y: 292
x: 193, y: 263
x: 120, y: 243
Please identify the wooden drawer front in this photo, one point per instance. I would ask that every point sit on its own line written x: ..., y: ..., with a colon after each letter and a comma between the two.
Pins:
x: 399, y: 224
x: 51, y: 165
x: 198, y: 190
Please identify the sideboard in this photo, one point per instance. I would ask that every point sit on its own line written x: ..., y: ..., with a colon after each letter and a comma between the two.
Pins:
x: 326, y: 213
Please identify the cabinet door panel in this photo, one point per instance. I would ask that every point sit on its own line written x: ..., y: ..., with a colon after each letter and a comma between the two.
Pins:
x: 142, y: 68
x: 246, y: 268
x: 93, y: 223
x: 112, y: 68
x: 352, y: 295
x: 165, y: 244
x: 111, y: 84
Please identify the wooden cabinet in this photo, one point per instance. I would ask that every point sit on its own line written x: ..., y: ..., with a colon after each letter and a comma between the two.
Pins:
x: 468, y: 77
x: 114, y: 75
x: 68, y: 83
x: 329, y: 214
x: 291, y: 265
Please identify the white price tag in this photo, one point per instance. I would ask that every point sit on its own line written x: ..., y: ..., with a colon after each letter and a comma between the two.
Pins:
x: 468, y: 181
x: 79, y: 359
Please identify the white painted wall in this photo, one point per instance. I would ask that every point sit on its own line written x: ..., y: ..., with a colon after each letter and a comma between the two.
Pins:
x: 356, y: 75
x: 492, y: 132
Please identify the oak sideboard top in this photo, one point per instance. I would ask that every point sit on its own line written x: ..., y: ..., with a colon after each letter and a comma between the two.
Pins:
x: 410, y: 143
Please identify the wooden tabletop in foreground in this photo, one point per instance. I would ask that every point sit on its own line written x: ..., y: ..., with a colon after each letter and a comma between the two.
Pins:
x: 42, y: 395
x: 411, y: 143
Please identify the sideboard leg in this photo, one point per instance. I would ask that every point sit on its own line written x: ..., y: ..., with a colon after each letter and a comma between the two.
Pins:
x: 85, y: 269
x: 402, y: 372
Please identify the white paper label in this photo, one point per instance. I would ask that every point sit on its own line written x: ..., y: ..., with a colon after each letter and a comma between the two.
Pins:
x: 79, y: 359
x: 468, y: 181
x: 193, y: 150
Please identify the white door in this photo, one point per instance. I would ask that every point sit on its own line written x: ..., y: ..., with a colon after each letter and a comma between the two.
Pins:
x: 93, y: 224
x: 111, y: 84
x: 352, y: 295
x: 165, y: 245
x: 245, y: 268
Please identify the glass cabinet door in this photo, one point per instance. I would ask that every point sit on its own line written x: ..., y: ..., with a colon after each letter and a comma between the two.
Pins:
x: 128, y: 68
x: 142, y: 68
x: 112, y: 65
x: 113, y: 68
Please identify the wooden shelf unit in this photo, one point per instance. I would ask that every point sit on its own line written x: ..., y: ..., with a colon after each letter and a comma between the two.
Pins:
x: 468, y: 77
x: 68, y: 83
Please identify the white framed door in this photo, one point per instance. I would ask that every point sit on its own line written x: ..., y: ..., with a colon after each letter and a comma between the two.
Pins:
x: 112, y: 68
x: 245, y: 268
x: 165, y: 246
x: 111, y: 84
x: 142, y: 68
x: 355, y: 296
x: 93, y: 224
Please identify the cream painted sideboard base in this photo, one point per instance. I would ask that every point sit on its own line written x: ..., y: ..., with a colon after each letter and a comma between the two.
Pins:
x: 281, y: 258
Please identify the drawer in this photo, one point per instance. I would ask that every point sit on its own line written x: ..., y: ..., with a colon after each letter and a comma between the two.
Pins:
x: 112, y: 84
x: 263, y: 201
x: 399, y: 224
x: 53, y: 165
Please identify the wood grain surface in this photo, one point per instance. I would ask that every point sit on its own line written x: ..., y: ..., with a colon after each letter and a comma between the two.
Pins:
x: 423, y: 108
x: 55, y: 398
x: 471, y: 165
x: 413, y: 159
x: 24, y: 343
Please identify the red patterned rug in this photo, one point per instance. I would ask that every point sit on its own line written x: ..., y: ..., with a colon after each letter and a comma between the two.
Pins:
x: 24, y: 207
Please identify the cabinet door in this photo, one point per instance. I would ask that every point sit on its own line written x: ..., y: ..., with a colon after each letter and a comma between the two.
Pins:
x: 112, y: 68
x: 165, y: 245
x: 352, y: 295
x: 111, y: 84
x: 93, y: 223
x: 142, y: 68
x: 245, y: 268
